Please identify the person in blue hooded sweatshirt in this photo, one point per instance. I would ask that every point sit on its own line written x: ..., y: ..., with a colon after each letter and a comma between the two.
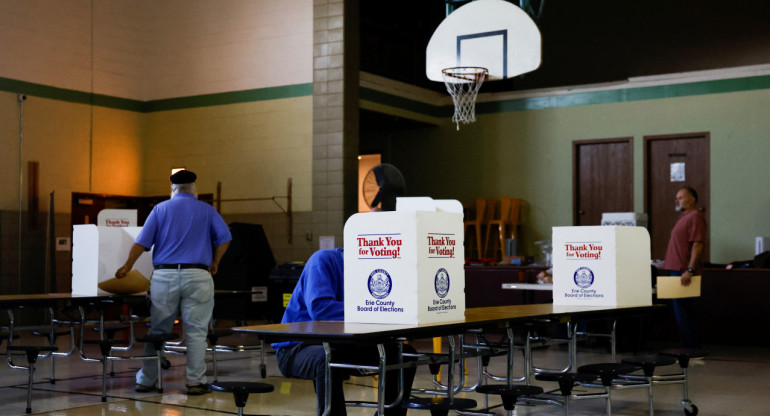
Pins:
x: 319, y: 296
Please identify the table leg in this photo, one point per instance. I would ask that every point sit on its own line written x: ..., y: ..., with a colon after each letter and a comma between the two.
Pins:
x: 381, y: 381
x: 328, y: 381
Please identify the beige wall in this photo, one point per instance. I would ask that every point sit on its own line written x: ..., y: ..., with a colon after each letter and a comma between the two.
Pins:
x: 528, y: 154
x: 252, y: 148
x: 144, y: 50
x: 149, y: 50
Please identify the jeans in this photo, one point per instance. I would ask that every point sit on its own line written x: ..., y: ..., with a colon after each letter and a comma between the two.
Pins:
x: 686, y: 322
x: 192, y: 292
x: 307, y: 361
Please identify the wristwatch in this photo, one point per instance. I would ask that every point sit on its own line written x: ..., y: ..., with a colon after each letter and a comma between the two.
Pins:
x: 691, y: 270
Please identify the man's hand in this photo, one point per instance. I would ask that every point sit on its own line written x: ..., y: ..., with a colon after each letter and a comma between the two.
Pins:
x: 686, y: 278
x: 122, y: 271
x: 213, y: 268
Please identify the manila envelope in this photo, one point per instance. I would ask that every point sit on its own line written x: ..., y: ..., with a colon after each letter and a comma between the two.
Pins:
x: 670, y: 287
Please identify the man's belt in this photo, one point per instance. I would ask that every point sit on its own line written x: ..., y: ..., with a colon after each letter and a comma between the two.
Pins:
x: 181, y: 266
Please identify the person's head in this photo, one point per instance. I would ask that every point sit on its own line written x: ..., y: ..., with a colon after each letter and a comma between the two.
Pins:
x: 183, y: 181
x: 686, y: 197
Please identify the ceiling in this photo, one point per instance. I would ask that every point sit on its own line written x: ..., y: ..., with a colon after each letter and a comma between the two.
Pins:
x: 584, y: 41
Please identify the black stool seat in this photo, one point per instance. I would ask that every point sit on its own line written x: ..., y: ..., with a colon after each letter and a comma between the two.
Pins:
x: 241, y: 390
x: 684, y: 355
x: 438, y: 406
x: 105, y: 345
x: 213, y: 336
x: 242, y: 386
x: 33, y: 350
x: 648, y: 362
x: 158, y: 338
x: 566, y: 380
x: 47, y: 334
x: 606, y: 371
x: 509, y: 394
x: 111, y: 329
x: 436, y: 360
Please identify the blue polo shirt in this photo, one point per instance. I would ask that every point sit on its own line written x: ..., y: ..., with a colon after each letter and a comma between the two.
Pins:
x: 320, y: 292
x: 183, y: 230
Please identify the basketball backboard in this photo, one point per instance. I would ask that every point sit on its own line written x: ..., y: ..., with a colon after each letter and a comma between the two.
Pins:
x: 492, y: 34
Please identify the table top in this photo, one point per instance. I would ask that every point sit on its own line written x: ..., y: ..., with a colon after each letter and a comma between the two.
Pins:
x: 475, y: 318
x: 529, y: 286
x: 52, y: 298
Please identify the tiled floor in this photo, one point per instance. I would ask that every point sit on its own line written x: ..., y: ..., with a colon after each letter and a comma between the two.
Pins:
x: 731, y: 381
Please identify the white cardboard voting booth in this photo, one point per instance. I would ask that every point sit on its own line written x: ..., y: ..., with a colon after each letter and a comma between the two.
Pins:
x: 117, y: 218
x: 601, y: 266
x: 97, y: 252
x: 404, y: 267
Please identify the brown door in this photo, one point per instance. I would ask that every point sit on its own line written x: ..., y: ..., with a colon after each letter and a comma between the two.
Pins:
x: 671, y: 162
x: 603, y: 178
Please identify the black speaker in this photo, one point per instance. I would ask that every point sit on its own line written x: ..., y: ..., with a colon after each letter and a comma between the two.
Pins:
x: 248, y: 260
x: 762, y: 260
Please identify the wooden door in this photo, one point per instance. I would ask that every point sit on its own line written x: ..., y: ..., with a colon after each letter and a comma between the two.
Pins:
x: 670, y: 162
x: 602, y: 179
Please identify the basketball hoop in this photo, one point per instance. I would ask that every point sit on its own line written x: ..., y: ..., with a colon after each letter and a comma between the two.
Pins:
x: 463, y: 83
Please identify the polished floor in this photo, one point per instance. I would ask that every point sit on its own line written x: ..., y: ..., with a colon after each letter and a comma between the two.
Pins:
x: 730, y: 381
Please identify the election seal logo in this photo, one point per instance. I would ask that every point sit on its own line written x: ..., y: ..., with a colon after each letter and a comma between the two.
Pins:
x: 584, y: 277
x: 379, y: 284
x: 441, y: 282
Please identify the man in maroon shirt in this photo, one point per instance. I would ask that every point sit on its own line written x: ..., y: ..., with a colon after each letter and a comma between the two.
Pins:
x: 683, y: 258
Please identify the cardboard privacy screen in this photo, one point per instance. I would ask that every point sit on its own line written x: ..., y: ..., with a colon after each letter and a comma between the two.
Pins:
x: 98, y: 252
x: 601, y: 266
x: 404, y: 267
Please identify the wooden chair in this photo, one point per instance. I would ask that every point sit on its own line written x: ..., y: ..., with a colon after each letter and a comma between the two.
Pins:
x: 507, y: 222
x: 485, y: 208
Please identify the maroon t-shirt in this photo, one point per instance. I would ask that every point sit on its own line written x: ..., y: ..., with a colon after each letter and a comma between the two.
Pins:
x: 690, y: 228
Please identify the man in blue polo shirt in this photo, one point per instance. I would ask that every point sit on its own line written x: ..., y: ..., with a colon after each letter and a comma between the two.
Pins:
x: 182, y: 231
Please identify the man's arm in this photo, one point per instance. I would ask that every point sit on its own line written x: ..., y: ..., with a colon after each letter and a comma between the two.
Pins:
x: 695, y: 253
x: 133, y: 255
x: 219, y: 251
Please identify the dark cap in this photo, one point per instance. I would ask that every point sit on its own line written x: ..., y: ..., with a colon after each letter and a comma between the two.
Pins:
x: 183, y: 176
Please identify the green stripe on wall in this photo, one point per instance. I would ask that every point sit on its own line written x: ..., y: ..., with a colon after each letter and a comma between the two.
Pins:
x: 391, y: 100
x: 247, y: 96
x: 627, y: 95
x: 73, y: 96
x: 302, y: 90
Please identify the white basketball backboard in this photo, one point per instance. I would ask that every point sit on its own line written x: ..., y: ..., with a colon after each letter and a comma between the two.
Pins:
x: 492, y: 34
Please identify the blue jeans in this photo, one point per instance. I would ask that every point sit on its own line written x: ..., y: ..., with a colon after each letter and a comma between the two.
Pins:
x: 192, y: 292
x: 686, y: 322
x: 307, y: 361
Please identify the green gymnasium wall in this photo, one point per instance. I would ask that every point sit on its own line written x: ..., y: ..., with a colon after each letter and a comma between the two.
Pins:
x: 528, y: 154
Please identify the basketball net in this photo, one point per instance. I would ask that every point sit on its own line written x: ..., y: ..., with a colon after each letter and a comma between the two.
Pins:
x: 463, y: 84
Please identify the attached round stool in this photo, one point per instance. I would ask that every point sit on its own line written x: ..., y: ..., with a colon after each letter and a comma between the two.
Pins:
x: 32, y: 353
x: 566, y: 383
x: 157, y: 341
x: 241, y: 390
x: 683, y: 356
x: 213, y: 337
x: 607, y: 372
x: 509, y: 394
x: 648, y: 363
x: 438, y: 406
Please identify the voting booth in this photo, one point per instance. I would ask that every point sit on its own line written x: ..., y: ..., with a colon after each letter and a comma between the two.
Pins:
x: 97, y: 252
x: 405, y: 266
x: 601, y: 266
